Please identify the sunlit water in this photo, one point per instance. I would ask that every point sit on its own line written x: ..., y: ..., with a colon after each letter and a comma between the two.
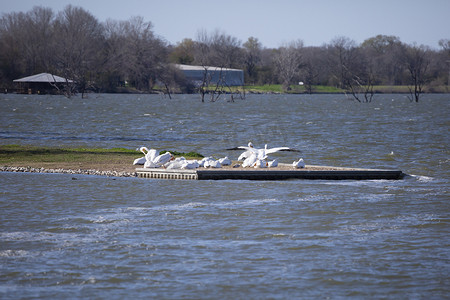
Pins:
x: 77, y: 236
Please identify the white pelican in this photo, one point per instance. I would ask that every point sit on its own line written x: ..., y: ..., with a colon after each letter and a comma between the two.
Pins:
x: 225, y: 161
x: 205, y: 161
x: 149, y: 164
x: 299, y: 164
x: 273, y: 163
x: 211, y: 162
x: 215, y: 164
x: 260, y: 163
x: 245, y: 154
x: 163, y: 159
x: 190, y: 164
x: 149, y: 154
x: 261, y: 153
x: 149, y: 157
x: 139, y: 161
x: 250, y: 161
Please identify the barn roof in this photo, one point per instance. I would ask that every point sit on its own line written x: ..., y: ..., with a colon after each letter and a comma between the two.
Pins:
x: 43, y: 77
x: 202, y: 68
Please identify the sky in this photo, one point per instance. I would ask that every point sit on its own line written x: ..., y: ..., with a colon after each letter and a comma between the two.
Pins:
x: 273, y: 22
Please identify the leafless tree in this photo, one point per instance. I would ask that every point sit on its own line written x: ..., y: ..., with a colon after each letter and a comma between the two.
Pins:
x: 214, y: 52
x: 313, y: 67
x: 445, y: 45
x: 79, y: 37
x: 38, y: 40
x: 12, y: 39
x: 417, y: 63
x: 288, y: 60
x: 352, y: 68
x: 114, y: 55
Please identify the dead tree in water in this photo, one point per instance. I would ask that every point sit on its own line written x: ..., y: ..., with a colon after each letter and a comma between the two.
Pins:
x: 219, y: 50
x: 417, y: 62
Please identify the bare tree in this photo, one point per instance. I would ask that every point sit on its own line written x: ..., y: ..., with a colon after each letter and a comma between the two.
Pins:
x: 77, y: 49
x: 114, y: 56
x: 313, y: 67
x: 143, y: 51
x: 214, y: 52
x: 352, y: 68
x: 417, y: 62
x: 12, y: 38
x: 288, y: 60
x: 38, y: 40
x: 445, y: 45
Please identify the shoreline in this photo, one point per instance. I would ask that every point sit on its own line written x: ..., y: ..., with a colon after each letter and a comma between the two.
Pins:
x: 67, y: 171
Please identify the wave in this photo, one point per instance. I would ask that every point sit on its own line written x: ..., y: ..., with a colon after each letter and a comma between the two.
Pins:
x: 422, y: 178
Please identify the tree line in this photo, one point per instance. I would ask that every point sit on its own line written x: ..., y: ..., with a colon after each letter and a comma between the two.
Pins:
x: 116, y: 55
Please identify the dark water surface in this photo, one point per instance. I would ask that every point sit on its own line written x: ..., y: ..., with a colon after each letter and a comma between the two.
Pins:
x: 77, y: 236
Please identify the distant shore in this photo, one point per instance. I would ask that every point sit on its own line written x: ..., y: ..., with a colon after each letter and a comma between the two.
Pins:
x: 277, y: 89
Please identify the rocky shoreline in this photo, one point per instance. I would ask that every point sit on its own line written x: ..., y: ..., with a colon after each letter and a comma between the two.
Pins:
x: 68, y: 171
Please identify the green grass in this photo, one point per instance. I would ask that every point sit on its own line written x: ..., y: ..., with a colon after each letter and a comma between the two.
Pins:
x: 294, y: 89
x: 11, y: 154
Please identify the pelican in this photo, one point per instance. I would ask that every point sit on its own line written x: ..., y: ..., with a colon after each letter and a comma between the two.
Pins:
x: 149, y: 154
x: 299, y: 164
x: 261, y: 153
x: 260, y: 163
x: 250, y: 161
x: 209, y: 162
x: 190, y: 164
x: 139, y: 161
x: 273, y: 163
x: 162, y: 159
x: 245, y: 154
x: 225, y: 161
x: 205, y: 161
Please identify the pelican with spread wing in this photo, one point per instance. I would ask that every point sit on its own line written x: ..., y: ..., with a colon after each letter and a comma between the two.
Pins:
x: 256, y: 157
x: 260, y: 153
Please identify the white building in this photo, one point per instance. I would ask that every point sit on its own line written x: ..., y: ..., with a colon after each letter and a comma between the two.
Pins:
x: 195, y: 74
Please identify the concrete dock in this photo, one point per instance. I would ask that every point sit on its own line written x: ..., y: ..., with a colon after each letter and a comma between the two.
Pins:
x: 279, y: 173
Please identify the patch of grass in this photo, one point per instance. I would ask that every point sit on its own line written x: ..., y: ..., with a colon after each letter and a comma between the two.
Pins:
x: 23, y: 155
x: 294, y: 89
x: 267, y: 88
x: 326, y: 89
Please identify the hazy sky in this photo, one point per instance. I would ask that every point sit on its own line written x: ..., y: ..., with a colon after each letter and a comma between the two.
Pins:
x: 273, y: 22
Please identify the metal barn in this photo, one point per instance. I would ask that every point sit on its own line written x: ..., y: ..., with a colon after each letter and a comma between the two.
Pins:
x: 225, y: 76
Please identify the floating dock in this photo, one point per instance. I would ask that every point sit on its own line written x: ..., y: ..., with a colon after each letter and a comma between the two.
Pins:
x: 279, y: 173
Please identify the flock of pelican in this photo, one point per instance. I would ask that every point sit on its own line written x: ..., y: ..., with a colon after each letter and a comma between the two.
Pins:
x: 251, y: 157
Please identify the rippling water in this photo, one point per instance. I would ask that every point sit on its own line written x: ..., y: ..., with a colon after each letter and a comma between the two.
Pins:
x: 76, y: 236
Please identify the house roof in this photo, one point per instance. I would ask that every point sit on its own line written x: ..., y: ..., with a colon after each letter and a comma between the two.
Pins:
x: 43, y: 77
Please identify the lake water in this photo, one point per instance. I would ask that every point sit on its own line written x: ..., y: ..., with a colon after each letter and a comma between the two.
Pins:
x: 78, y: 236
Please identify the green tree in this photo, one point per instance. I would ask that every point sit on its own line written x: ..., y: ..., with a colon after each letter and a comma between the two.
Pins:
x: 252, y: 57
x: 183, y: 53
